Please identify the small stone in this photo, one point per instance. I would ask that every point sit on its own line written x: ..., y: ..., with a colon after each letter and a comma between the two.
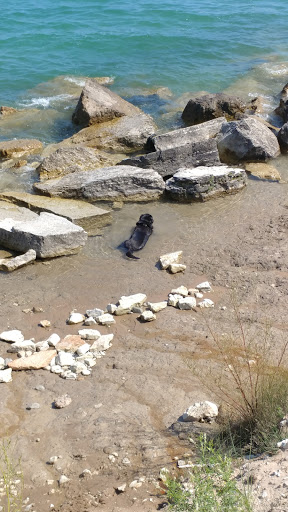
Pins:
x: 64, y: 358
x: 192, y: 291
x: 26, y: 311
x: 6, y: 375
x: 45, y: 323
x: 204, y: 287
x: 35, y: 405
x: 263, y: 495
x: 70, y: 343
x: 283, y: 445
x: 68, y: 375
x: 181, y: 290
x: 86, y: 372
x: 187, y: 303
x: 94, y: 313
x: 128, y: 302
x: 105, y: 319
x: 111, y: 308
x: 23, y: 346
x: 90, y: 321
x: 2, y: 363
x: 173, y: 299
x: 223, y: 308
x: 126, y: 461
x: 63, y: 480
x: 75, y: 318
x: 39, y: 387
x: 121, y: 488
x: 53, y: 459
x: 13, y: 336
x: 135, y: 484
x: 176, y: 267
x: 155, y: 307
x: 111, y: 457
x: 89, y: 334
x: 83, y: 349
x: 42, y: 345
x: 37, y: 309
x: 170, y: 259
x: 206, y: 303
x: 147, y: 316
x: 198, y: 295
x: 56, y: 368
x: 137, y: 309
x: 62, y: 401
x: 49, y: 482
x: 53, y: 340
x: 85, y: 473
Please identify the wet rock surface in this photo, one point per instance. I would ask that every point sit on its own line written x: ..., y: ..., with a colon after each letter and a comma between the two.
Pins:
x: 19, y: 147
x: 211, y: 106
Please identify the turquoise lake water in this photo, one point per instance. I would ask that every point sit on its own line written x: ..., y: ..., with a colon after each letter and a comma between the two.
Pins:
x: 184, y: 46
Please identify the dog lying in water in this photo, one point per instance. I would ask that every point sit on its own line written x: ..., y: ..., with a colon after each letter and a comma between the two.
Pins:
x: 140, y: 235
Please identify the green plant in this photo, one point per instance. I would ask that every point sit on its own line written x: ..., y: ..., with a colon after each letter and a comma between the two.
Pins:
x: 249, y: 377
x: 11, y: 477
x: 213, y: 487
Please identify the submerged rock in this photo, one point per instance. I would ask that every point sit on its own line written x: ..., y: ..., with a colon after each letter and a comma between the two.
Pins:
x: 246, y: 140
x: 263, y: 171
x: 122, y: 183
x: 203, y: 183
x: 211, y: 106
x: 18, y: 147
x: 49, y: 235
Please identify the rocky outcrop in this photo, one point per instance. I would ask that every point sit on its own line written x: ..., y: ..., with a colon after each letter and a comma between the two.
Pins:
x: 246, y: 140
x: 118, y: 136
x: 211, y: 106
x: 19, y: 147
x: 98, y: 104
x: 119, y: 183
x: 168, y: 161
x: 49, y: 235
x: 283, y: 137
x: 89, y: 217
x: 203, y: 183
x: 183, y: 136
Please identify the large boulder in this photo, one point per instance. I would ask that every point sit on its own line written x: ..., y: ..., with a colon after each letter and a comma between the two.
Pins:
x: 247, y: 140
x: 120, y: 135
x: 283, y: 138
x: 67, y: 160
x: 49, y: 235
x: 203, y: 183
x: 119, y: 183
x: 168, y: 161
x: 19, y: 147
x: 211, y: 106
x: 98, y: 104
x: 183, y: 136
x: 89, y: 217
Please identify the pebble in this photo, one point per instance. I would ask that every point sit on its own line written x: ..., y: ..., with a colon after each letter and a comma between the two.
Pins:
x: 45, y: 323
x: 173, y: 299
x: 121, y: 488
x: 206, y: 303
x: 89, y: 334
x: 83, y: 349
x: 39, y: 387
x: 6, y: 375
x: 177, y: 267
x: 147, y: 316
x: 13, y: 336
x: 181, y: 290
x: 35, y: 405
x: 204, y: 287
x: 85, y: 473
x: 135, y: 484
x: 37, y: 309
x: 53, y: 340
x: 90, y: 321
x: 105, y: 319
x: 75, y: 318
x: 63, y: 480
x: 126, y: 461
x: 62, y: 401
x: 52, y: 460
x: 155, y: 307
x: 186, y: 303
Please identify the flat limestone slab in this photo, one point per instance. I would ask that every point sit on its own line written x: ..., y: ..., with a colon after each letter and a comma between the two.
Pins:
x: 34, y: 362
x: 49, y: 235
x: 89, y: 217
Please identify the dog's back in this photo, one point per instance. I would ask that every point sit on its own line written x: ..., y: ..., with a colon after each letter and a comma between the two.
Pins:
x: 140, y: 235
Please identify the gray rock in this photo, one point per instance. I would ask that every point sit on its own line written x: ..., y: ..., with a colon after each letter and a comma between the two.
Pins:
x: 203, y: 183
x: 62, y: 401
x: 94, y: 313
x: 98, y: 104
x: 168, y: 161
x: 183, y: 136
x: 283, y: 137
x: 67, y: 160
x: 22, y: 346
x: 116, y: 137
x: 282, y: 109
x: 187, y: 303
x: 246, y: 140
x: 11, y: 264
x: 49, y: 235
x: 122, y: 183
x: 89, y: 217
x: 211, y: 106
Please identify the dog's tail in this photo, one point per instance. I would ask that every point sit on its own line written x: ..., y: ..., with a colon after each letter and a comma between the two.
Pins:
x: 130, y: 255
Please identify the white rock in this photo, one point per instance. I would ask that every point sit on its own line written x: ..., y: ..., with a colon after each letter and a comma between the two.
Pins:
x: 64, y: 358
x: 75, y: 318
x: 135, y: 484
x: 201, y: 411
x: 83, y: 349
x: 173, y: 299
x: 155, y: 307
x: 126, y: 461
x: 53, y: 339
x: 169, y: 259
x: 41, y: 345
x: 22, y: 346
x: 119, y: 311
x: 90, y: 321
x: 192, y: 291
x: 105, y: 319
x: 2, y: 363
x: 86, y: 372
x: 121, y: 488
x: 147, y: 316
x: 103, y: 343
x: 181, y: 290
x: 187, y: 303
x: 78, y: 367
x: 63, y: 480
x: 176, y: 267
x: 206, y: 303
x: 53, y: 459
x: 204, y: 287
x: 94, y: 312
x: 68, y: 375
x: 6, y: 375
x: 12, y: 336
x: 111, y: 308
x: 198, y: 295
x: 89, y: 334
x: 127, y: 302
x: 56, y: 368
x: 283, y: 444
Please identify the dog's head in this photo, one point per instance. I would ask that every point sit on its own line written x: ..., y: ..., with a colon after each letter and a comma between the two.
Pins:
x: 146, y: 218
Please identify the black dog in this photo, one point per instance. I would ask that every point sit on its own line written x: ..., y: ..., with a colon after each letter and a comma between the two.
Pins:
x: 140, y: 235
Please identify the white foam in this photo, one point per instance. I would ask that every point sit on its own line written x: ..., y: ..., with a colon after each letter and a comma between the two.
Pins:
x: 276, y: 69
x: 75, y: 80
x: 46, y: 101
